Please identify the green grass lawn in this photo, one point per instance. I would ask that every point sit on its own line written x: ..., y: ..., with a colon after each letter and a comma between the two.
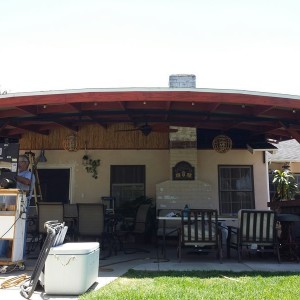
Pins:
x: 137, y: 285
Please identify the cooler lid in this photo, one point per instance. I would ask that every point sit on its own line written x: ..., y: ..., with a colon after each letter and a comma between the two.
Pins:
x: 74, y: 248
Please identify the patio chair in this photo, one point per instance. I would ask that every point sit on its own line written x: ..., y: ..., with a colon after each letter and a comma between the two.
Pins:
x: 199, y: 230
x: 90, y: 221
x: 49, y: 211
x: 140, y: 226
x: 91, y: 226
x: 256, y: 231
x: 71, y: 220
x: 33, y: 237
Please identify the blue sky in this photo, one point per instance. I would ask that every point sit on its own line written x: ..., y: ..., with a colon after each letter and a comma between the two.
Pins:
x: 72, y: 44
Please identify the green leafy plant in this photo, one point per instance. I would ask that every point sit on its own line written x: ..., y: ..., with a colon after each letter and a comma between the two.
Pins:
x: 91, y: 166
x: 285, y: 185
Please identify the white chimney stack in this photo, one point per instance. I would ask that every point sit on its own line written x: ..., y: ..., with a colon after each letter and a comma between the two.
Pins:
x: 182, y: 81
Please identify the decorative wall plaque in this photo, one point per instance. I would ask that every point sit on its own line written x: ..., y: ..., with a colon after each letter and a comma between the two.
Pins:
x: 183, y: 171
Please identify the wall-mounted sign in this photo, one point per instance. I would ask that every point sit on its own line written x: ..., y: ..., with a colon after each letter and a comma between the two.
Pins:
x: 183, y: 171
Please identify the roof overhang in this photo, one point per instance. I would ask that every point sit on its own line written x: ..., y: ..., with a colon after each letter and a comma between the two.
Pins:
x: 258, y: 147
x: 271, y: 116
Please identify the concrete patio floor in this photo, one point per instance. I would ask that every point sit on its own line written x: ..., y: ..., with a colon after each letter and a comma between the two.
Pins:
x: 115, y: 266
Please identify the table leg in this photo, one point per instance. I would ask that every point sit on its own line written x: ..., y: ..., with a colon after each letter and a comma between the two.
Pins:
x: 164, y: 239
x: 288, y: 241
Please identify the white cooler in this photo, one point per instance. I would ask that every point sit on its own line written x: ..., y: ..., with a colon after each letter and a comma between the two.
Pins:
x: 71, y: 268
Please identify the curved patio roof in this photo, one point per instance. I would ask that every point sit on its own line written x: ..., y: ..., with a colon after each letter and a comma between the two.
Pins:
x: 273, y: 116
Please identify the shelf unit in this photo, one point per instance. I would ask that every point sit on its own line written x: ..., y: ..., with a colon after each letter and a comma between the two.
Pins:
x: 12, y: 224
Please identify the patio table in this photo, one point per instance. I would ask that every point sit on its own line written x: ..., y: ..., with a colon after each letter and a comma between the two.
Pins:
x: 288, y: 239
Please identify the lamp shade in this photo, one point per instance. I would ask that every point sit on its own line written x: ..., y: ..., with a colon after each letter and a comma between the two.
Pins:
x: 70, y: 143
x: 222, y: 143
x: 42, y: 157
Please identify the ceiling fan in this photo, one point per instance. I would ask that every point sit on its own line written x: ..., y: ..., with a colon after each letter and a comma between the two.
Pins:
x: 146, y: 129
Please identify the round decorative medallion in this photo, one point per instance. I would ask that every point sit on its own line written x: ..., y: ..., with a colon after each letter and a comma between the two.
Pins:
x: 222, y: 143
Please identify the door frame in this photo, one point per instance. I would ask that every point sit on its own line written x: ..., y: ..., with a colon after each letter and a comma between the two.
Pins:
x: 62, y: 166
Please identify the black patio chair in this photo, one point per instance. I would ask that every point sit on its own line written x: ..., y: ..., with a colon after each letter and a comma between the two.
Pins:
x: 137, y: 230
x: 200, y: 231
x: 256, y: 232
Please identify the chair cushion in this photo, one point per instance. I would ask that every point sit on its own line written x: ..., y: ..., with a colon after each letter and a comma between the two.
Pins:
x: 254, y: 227
x: 206, y: 233
x: 254, y: 233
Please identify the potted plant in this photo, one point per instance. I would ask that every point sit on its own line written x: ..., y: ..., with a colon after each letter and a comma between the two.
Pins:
x: 91, y: 167
x: 285, y: 185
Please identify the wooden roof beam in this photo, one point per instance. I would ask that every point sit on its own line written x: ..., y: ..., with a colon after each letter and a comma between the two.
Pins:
x: 31, y: 129
x: 292, y: 131
x: 29, y: 109
x: 259, y: 110
x: 68, y: 126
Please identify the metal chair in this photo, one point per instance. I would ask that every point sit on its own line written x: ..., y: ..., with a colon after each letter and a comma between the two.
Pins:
x: 90, y: 220
x: 32, y: 233
x: 91, y: 226
x: 140, y: 226
x: 71, y: 220
x: 256, y: 232
x: 199, y: 230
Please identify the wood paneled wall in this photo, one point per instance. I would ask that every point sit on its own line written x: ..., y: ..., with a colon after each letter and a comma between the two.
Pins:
x: 96, y: 137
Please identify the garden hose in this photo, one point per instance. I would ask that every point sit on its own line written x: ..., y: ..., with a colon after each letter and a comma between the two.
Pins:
x: 13, y: 281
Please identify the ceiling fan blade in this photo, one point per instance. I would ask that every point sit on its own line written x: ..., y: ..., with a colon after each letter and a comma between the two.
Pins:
x: 133, y: 129
x: 163, y: 128
x: 146, y: 129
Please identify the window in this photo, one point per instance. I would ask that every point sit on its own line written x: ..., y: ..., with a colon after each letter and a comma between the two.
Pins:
x: 127, y: 192
x: 127, y: 183
x: 235, y: 189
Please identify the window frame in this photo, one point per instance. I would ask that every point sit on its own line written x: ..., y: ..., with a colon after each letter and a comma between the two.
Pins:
x: 127, y: 180
x: 237, y: 198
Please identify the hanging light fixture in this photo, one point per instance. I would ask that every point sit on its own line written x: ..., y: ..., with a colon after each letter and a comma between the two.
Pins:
x: 222, y: 143
x: 70, y: 143
x: 85, y: 158
x: 42, y: 157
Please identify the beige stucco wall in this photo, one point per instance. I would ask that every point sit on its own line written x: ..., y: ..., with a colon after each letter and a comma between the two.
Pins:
x: 203, y: 192
x: 294, y: 166
x: 208, y: 162
x: 84, y: 188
